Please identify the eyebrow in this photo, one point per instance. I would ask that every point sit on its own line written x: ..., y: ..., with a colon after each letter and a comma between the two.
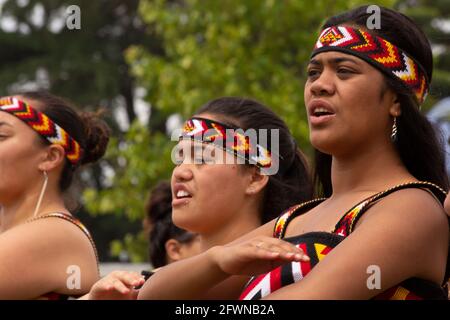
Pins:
x: 334, y: 61
x: 5, y: 123
x: 195, y: 147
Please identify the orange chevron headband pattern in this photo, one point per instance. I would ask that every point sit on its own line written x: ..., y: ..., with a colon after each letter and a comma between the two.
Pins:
x: 44, y: 126
x: 227, y: 138
x: 380, y: 53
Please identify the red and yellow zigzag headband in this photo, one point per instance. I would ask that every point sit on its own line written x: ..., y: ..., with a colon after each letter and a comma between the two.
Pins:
x: 379, y: 52
x: 238, y: 144
x: 44, y: 126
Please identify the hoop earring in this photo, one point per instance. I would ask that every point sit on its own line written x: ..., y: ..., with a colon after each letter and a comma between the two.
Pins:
x: 44, y: 187
x: 394, y: 131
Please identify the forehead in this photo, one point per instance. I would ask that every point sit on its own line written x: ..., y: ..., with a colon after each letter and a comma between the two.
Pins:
x: 336, y: 57
x: 14, y: 124
x: 195, y: 144
x: 10, y: 120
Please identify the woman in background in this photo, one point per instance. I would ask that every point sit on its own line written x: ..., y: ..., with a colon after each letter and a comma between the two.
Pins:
x: 45, y: 253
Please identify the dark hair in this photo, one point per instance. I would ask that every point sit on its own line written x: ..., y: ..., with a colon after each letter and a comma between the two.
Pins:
x: 292, y: 183
x: 416, y: 143
x: 159, y: 213
x: 85, y: 127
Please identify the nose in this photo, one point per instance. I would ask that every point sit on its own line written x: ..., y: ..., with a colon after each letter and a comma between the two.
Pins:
x: 182, y: 173
x: 324, y: 84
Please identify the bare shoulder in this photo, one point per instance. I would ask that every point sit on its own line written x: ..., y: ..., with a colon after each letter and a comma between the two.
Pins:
x: 52, y: 246
x: 413, y: 216
x: 410, y: 206
x: 52, y: 231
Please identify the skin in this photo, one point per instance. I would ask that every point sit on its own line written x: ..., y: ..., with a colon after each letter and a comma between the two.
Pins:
x: 364, y: 162
x: 23, y: 158
x: 177, y: 250
x: 120, y: 285
x: 447, y: 204
x: 231, y: 188
x: 225, y: 204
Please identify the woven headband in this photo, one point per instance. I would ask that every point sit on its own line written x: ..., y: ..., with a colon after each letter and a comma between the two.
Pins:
x: 379, y: 52
x: 238, y: 144
x: 44, y: 126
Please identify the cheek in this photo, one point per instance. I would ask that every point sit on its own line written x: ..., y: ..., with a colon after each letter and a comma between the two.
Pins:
x: 218, y: 196
x: 18, y: 166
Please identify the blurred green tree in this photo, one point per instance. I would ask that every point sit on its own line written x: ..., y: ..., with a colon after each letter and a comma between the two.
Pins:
x: 255, y: 48
x: 433, y: 16
x: 87, y: 66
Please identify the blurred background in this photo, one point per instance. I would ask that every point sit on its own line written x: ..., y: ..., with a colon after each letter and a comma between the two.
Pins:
x: 151, y: 63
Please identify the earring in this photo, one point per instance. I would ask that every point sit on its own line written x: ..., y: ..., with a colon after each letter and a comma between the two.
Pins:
x: 44, y: 187
x: 394, y: 131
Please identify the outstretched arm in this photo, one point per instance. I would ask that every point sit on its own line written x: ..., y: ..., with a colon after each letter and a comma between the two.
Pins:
x: 199, y: 277
x: 250, y: 257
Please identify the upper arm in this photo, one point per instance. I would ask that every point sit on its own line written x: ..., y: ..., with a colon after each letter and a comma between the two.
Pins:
x: 402, y: 236
x: 39, y: 257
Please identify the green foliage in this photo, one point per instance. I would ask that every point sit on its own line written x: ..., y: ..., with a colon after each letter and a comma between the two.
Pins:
x: 431, y: 16
x: 136, y: 247
x: 140, y: 160
x: 215, y: 48
x: 224, y: 48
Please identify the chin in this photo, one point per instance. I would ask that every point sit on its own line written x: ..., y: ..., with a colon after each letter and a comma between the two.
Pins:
x: 322, y: 146
x: 182, y: 218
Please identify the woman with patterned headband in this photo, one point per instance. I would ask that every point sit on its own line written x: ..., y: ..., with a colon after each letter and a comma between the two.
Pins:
x: 380, y: 230
x: 226, y: 183
x: 45, y: 253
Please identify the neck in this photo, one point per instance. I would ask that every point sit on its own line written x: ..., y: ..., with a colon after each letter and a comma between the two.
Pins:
x: 368, y: 171
x: 245, y: 221
x: 20, y: 210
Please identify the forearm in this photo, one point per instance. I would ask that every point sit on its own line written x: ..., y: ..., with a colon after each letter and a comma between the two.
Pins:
x: 186, y: 279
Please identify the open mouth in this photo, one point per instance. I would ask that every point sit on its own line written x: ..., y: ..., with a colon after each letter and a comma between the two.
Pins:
x: 320, y: 112
x: 183, y: 194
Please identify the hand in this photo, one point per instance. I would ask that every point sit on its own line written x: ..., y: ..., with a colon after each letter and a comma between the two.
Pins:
x: 255, y: 256
x: 118, y: 285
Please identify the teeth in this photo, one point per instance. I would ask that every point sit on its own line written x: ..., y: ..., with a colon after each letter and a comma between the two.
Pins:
x: 321, y: 110
x: 182, y: 193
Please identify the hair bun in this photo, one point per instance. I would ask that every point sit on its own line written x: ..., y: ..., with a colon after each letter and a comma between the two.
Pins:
x: 97, y: 136
x: 159, y: 205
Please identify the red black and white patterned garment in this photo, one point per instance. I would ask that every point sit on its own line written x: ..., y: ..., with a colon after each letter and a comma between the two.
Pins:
x: 318, y: 244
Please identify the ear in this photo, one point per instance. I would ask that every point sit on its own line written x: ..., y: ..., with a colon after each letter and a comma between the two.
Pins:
x: 257, y: 181
x: 173, y: 248
x: 54, y: 157
x: 395, y: 108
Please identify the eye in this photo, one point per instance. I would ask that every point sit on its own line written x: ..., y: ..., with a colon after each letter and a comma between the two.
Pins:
x: 312, y: 73
x: 199, y: 160
x: 345, y: 71
x: 178, y: 159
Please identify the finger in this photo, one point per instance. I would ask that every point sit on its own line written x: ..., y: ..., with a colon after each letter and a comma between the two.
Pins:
x: 120, y: 287
x: 286, y: 250
x: 293, y: 252
x: 264, y: 253
x: 132, y: 280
